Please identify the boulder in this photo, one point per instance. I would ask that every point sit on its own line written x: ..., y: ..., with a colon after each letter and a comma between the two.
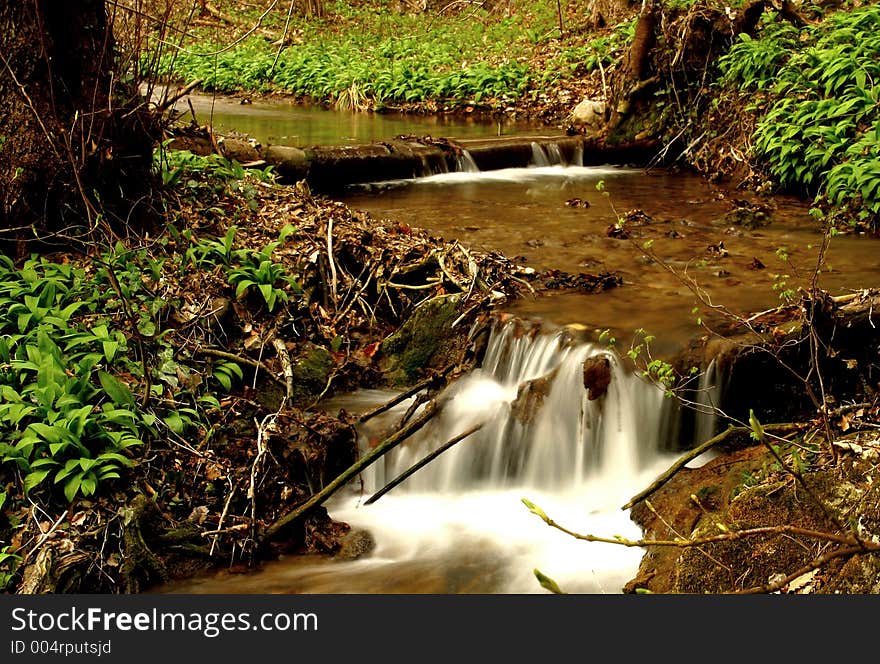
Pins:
x: 589, y: 114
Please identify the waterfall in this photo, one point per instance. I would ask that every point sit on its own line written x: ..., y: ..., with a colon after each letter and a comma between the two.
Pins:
x: 539, y: 157
x: 549, y: 155
x: 554, y: 155
x: 708, y: 399
x: 458, y: 524
x: 540, y: 427
x: 464, y: 163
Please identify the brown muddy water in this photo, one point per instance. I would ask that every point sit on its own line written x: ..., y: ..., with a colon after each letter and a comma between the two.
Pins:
x: 529, y: 214
x: 459, y: 524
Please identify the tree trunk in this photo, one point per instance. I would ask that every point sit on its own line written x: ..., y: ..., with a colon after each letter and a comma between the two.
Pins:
x: 608, y: 13
x: 74, y: 150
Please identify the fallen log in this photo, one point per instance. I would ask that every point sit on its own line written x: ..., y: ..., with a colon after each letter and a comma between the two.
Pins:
x: 361, y: 464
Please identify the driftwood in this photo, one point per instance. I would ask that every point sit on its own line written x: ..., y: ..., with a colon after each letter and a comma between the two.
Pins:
x: 361, y: 464
x: 423, y: 462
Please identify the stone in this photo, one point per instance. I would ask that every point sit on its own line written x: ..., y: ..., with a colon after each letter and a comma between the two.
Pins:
x: 589, y: 114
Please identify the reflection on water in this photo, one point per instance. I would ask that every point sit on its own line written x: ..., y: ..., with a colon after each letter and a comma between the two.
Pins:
x: 280, y: 122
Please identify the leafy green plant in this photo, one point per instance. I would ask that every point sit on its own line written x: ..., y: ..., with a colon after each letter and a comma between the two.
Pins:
x: 9, y: 562
x: 819, y: 134
x: 257, y: 271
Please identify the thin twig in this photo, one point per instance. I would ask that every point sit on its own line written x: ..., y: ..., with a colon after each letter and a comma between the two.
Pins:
x: 682, y: 461
x: 423, y: 462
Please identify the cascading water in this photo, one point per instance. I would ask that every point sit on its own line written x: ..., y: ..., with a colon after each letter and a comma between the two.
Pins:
x: 543, y: 439
x: 549, y: 155
x: 464, y: 163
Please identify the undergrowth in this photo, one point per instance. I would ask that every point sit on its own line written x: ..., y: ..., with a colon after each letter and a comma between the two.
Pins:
x: 817, y: 95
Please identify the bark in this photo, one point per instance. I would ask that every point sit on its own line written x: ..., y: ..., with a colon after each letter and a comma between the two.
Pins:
x: 608, y: 13
x: 71, y: 147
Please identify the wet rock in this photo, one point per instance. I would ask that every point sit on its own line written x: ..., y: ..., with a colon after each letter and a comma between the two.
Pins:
x: 749, y: 215
x: 637, y: 217
x: 530, y: 397
x: 717, y: 250
x: 756, y: 265
x: 355, y: 544
x: 617, y: 232
x: 597, y: 376
x: 577, y: 203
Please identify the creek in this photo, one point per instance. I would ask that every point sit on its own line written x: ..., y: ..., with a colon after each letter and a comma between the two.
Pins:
x: 459, y: 524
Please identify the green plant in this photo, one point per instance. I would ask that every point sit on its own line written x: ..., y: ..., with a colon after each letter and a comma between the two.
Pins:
x: 820, y: 129
x: 9, y: 562
x: 257, y: 271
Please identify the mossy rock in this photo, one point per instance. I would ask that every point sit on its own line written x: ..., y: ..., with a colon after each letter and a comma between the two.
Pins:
x: 311, y: 371
x: 427, y: 340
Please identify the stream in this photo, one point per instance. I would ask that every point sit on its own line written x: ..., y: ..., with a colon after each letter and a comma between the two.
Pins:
x: 459, y: 525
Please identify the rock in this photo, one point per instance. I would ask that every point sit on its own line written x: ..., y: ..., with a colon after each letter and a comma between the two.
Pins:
x: 355, y: 544
x: 597, y: 376
x: 530, y: 397
x: 589, y: 114
x: 425, y: 341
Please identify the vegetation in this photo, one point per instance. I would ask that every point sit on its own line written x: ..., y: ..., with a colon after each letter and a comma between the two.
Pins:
x: 366, y: 56
x: 816, y: 96
x: 177, y: 361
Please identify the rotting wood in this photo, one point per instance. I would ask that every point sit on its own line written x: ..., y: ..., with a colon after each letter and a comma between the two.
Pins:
x: 423, y: 462
x: 361, y: 464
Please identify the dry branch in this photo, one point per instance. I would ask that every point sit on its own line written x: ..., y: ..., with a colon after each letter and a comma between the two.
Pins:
x: 361, y: 464
x: 423, y: 462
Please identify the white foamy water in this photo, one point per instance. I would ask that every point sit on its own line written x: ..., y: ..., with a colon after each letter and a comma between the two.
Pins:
x: 578, y: 459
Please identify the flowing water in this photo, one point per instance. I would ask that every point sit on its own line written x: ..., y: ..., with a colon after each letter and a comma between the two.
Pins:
x: 459, y: 524
x: 552, y: 215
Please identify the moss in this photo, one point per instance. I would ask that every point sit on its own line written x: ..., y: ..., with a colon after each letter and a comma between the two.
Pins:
x: 310, y: 374
x: 423, y: 342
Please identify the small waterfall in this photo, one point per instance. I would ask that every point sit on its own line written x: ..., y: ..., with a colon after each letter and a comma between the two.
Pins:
x: 708, y: 400
x: 432, y: 167
x: 460, y: 521
x: 539, y: 156
x: 541, y: 429
x: 554, y: 155
x: 578, y: 158
x: 464, y: 163
x: 549, y: 155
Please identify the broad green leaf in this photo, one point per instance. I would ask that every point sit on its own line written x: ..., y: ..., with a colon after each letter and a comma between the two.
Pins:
x: 116, y: 389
